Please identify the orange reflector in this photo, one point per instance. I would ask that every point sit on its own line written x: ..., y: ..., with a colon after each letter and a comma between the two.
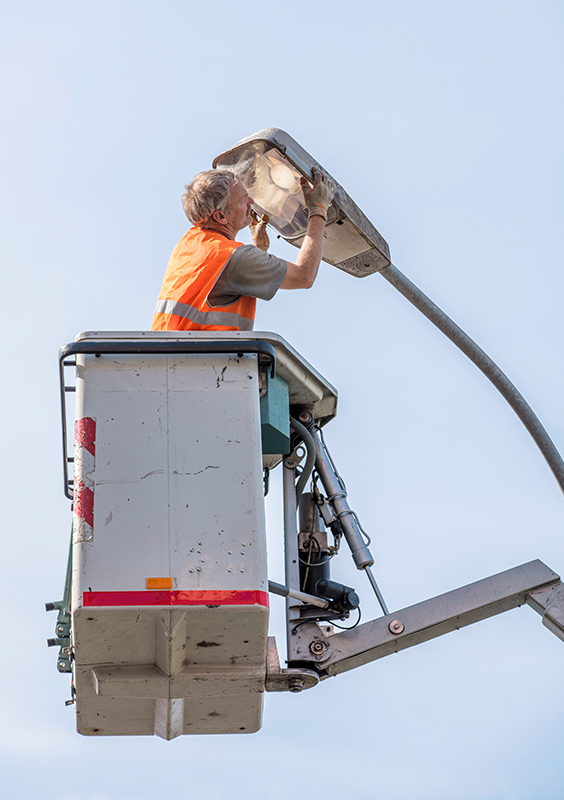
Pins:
x: 159, y: 583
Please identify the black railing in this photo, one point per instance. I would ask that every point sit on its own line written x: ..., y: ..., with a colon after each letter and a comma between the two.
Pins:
x: 263, y: 350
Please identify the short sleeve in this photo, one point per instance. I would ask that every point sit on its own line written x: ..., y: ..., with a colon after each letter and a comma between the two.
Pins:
x: 249, y: 272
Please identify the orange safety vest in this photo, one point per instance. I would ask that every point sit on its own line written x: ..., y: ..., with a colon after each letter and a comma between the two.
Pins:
x: 196, y: 263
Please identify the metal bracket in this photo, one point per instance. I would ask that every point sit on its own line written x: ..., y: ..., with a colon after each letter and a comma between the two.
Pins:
x: 62, y: 639
x: 63, y: 626
x: 286, y: 680
x: 549, y: 603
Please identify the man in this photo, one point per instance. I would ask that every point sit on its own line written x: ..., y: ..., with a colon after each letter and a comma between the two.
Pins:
x: 212, y: 281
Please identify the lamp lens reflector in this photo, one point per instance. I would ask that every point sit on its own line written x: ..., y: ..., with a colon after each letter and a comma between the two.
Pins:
x: 273, y: 182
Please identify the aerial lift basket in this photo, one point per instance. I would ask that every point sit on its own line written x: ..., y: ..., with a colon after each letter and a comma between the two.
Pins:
x: 169, y: 577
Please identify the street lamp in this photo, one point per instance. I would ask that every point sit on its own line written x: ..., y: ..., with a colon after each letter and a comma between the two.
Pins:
x: 270, y: 164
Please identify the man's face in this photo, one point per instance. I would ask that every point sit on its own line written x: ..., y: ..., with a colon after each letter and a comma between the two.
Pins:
x: 238, y: 211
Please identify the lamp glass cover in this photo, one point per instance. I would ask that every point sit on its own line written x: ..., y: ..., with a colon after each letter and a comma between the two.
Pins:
x: 273, y: 183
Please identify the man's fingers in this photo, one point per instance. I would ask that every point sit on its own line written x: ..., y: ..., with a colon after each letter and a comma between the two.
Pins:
x: 318, y: 198
x: 261, y: 223
x: 306, y: 184
x: 258, y: 222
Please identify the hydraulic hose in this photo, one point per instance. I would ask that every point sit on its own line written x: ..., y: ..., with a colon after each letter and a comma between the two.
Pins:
x: 310, y: 459
x: 484, y: 363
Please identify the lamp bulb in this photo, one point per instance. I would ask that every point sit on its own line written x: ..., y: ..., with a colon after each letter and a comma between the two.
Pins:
x: 282, y: 176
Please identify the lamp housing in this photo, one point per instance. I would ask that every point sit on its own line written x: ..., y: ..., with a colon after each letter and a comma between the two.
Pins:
x: 270, y: 164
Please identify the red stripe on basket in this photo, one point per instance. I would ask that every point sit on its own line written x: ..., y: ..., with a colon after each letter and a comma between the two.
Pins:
x: 84, y: 503
x: 85, y: 434
x: 179, y: 597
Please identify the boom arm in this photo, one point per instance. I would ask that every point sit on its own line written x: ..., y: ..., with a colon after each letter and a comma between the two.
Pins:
x: 312, y: 646
x: 533, y: 583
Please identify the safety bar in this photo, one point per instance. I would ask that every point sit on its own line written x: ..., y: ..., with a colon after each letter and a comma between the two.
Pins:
x: 264, y: 350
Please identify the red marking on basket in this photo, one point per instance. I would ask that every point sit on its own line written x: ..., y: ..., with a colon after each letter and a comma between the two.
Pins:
x: 85, y: 434
x: 83, y: 501
x: 179, y: 597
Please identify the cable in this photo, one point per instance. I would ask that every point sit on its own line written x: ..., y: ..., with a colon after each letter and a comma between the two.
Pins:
x: 312, y: 539
x: 344, y: 627
x: 303, y: 622
x: 342, y: 494
x: 319, y: 429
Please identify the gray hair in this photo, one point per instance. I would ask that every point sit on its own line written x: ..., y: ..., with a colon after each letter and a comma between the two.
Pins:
x: 208, y: 192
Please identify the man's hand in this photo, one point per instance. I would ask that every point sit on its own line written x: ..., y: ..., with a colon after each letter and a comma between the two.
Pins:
x: 258, y: 231
x: 317, y: 200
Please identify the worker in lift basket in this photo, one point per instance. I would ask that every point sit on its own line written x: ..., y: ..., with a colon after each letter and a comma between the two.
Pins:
x: 212, y: 281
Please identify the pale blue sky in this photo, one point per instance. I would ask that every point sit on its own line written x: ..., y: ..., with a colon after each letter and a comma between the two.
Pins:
x: 443, y: 120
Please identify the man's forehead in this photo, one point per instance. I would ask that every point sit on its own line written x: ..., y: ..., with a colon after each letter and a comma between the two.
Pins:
x: 238, y: 190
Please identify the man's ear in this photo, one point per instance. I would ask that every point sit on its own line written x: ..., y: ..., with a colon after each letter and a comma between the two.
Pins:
x: 219, y: 217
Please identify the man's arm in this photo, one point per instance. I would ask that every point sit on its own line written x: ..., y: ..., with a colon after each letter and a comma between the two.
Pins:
x: 303, y: 273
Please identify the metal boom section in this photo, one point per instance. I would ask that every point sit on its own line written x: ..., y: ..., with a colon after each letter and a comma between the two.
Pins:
x: 533, y: 583
x: 314, y: 647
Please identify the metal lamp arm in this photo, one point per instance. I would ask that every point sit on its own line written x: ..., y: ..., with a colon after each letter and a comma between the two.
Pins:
x: 484, y: 363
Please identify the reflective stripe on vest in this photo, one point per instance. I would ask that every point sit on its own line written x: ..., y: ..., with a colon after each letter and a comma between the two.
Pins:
x: 195, y: 265
x: 207, y: 318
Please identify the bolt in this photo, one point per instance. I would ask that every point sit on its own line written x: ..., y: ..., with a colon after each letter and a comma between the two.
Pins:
x: 396, y: 626
x: 305, y: 417
x: 296, y: 685
x: 317, y: 648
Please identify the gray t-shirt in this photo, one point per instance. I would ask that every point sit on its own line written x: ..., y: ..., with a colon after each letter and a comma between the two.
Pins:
x: 249, y: 272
